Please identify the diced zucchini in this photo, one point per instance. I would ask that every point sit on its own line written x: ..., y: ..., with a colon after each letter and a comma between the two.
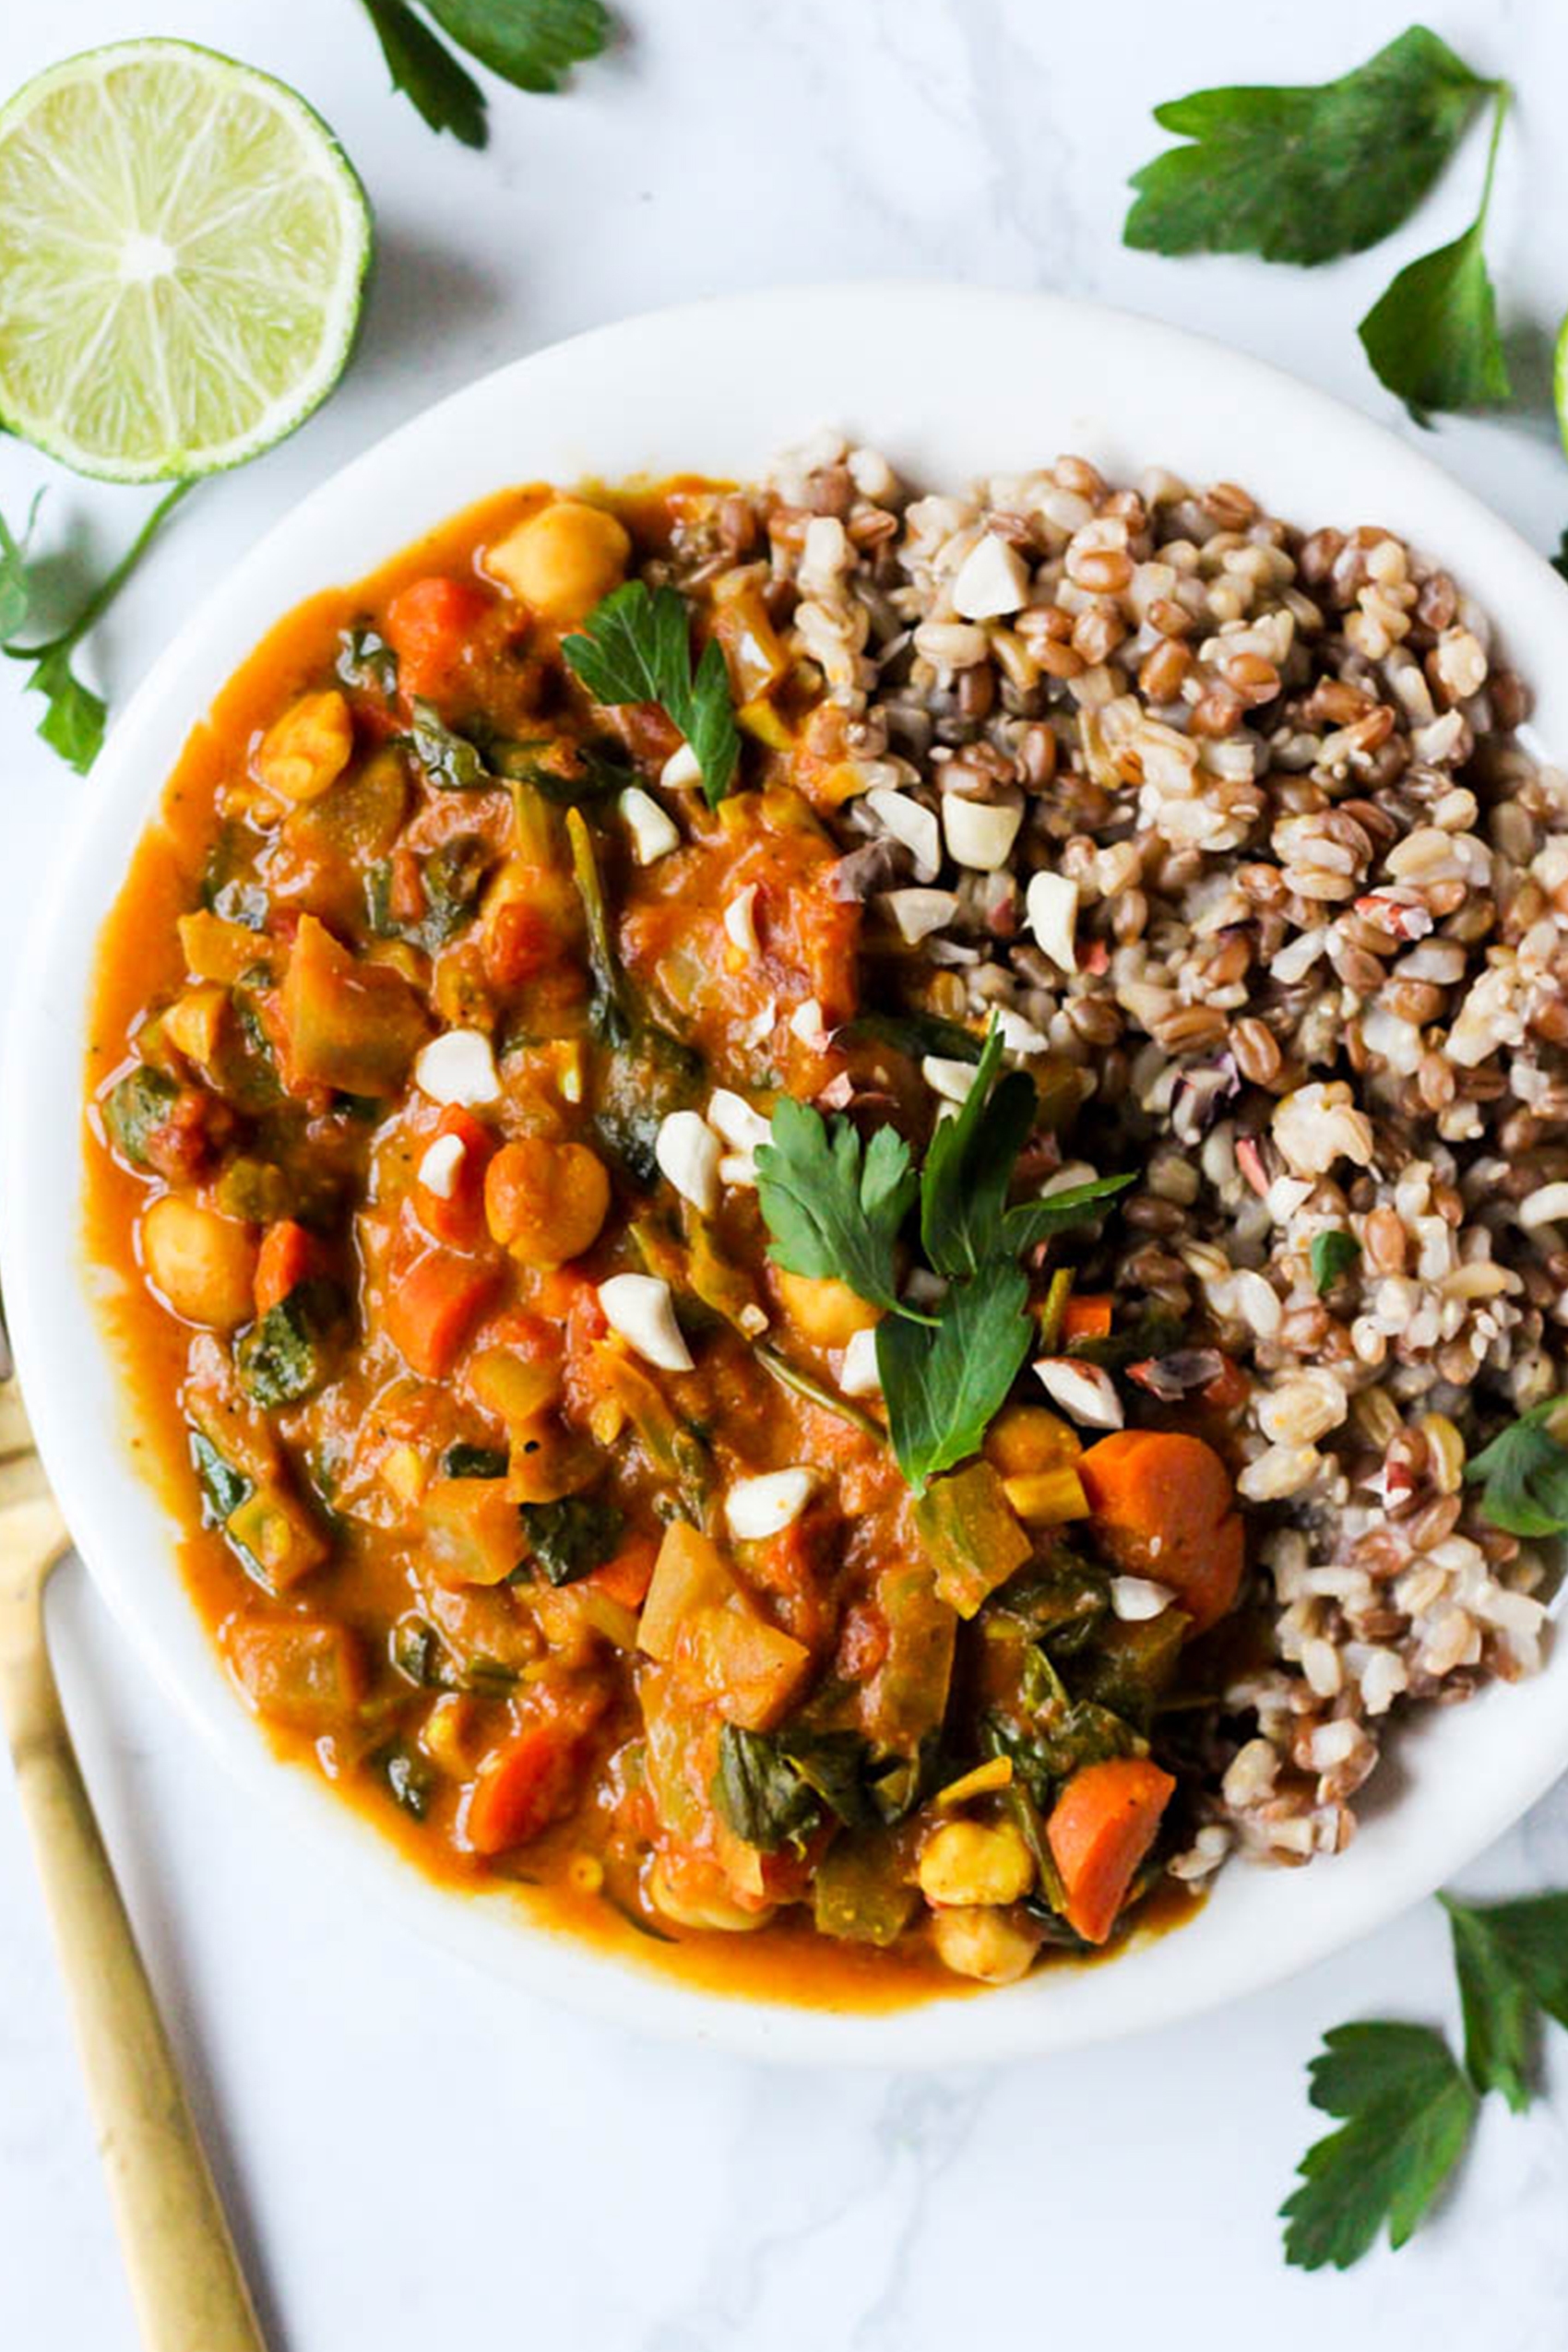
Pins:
x: 308, y: 1674
x: 691, y: 1572
x: 352, y: 1026
x: 473, y: 1532
x: 971, y: 1535
x: 280, y: 1535
x: 860, y: 1891
x: 284, y: 1356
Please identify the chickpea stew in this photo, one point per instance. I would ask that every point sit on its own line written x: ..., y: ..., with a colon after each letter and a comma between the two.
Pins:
x: 677, y: 1395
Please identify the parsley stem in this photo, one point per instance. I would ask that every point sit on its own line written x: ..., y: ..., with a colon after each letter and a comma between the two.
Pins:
x: 789, y: 1375
x: 913, y: 1314
x: 104, y: 596
x: 1504, y: 94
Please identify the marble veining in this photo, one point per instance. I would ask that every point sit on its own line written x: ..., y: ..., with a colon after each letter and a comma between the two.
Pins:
x: 416, y: 2156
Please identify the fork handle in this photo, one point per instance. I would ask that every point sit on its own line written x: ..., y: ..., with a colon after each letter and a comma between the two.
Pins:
x: 186, y: 2284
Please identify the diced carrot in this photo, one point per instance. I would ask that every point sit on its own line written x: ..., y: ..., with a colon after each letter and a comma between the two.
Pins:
x: 626, y: 1577
x: 428, y: 625
x: 520, y: 1788
x: 457, y: 1217
x: 1161, y: 1506
x: 1086, y: 1316
x: 282, y: 1262
x: 521, y: 940
x: 432, y: 1309
x: 1100, y: 1828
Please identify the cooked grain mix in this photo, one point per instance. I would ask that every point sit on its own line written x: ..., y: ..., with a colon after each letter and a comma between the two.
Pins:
x: 1305, y: 932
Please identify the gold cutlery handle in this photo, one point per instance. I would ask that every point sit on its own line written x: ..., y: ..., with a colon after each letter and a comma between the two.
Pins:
x: 189, y: 2292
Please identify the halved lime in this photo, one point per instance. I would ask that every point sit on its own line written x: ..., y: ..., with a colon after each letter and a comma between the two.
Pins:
x: 182, y: 252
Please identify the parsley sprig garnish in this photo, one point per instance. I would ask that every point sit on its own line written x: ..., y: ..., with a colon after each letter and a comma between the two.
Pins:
x: 835, y: 1207
x: 1405, y: 2105
x: 533, y: 44
x: 75, y: 718
x: 1308, y: 173
x: 1523, y: 1475
x: 635, y: 646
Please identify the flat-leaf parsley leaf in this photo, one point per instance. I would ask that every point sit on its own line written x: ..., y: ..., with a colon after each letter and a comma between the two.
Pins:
x: 1306, y: 173
x: 833, y: 1204
x: 1526, y: 1476
x: 531, y: 43
x: 635, y: 646
x: 1408, y: 2110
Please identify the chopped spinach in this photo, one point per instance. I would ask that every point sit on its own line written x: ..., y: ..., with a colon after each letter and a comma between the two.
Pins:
x: 450, y: 761
x: 465, y: 1461
x: 137, y: 1106
x: 410, y: 1781
x: 778, y: 1788
x: 367, y: 662
x: 417, y: 1653
x: 229, y: 887
x: 223, y: 1488
x: 650, y: 1073
x: 570, y: 1538
x: 283, y: 1357
x: 491, y: 1677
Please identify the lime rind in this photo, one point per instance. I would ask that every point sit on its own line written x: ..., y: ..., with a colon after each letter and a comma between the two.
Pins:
x: 183, y: 247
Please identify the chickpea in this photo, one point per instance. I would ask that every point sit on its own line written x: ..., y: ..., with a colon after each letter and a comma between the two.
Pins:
x: 203, y: 1264
x: 828, y: 1313
x: 544, y: 1201
x: 563, y: 560
x: 995, y: 1946
x: 304, y: 754
x: 965, y: 1863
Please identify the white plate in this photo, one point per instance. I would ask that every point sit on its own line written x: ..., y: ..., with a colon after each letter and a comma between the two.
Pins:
x: 950, y: 383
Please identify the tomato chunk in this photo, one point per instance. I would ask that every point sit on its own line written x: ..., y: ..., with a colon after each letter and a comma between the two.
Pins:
x: 428, y: 626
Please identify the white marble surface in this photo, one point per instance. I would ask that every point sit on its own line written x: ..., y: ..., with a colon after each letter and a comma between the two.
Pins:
x: 416, y: 2157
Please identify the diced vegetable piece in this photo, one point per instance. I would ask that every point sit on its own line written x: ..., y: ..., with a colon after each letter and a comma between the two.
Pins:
x: 203, y: 1264
x: 223, y: 1488
x: 745, y: 1665
x: 456, y: 1215
x: 908, y: 1697
x: 563, y: 560
x: 428, y: 626
x: 544, y: 1201
x: 283, y: 1358
x: 1048, y: 1498
x: 1130, y: 1667
x: 1027, y: 1439
x: 430, y: 1311
x: 286, y: 1257
x: 827, y: 1312
x: 352, y: 1025
x: 195, y: 1024
x: 1161, y: 1503
x: 356, y: 824
x: 996, y: 1947
x: 137, y: 1107
x: 1101, y: 1827
x: 1088, y: 1315
x: 971, y: 1535
x: 304, y: 754
x: 859, y: 1892
x: 215, y: 949
x: 516, y: 1387
x: 280, y: 1535
x: 965, y: 1862
x: 463, y: 1461
x: 689, y: 1574
x: 625, y: 1578
x: 520, y: 1788
x: 473, y: 1532
x: 306, y: 1673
